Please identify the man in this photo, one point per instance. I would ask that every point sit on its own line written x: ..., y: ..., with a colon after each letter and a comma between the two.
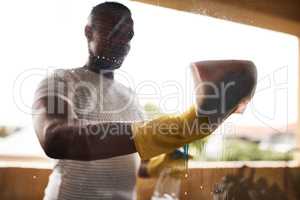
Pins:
x: 71, y: 103
x: 87, y: 120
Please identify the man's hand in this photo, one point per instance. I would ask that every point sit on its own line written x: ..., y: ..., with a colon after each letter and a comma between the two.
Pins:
x: 223, y: 87
x: 175, y: 162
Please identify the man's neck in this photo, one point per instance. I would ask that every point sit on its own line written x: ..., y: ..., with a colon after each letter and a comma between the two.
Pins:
x: 100, y: 67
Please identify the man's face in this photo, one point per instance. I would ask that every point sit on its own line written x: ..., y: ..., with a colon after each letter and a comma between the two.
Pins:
x: 110, y: 38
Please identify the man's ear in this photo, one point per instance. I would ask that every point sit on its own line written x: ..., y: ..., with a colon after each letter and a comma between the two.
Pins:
x: 88, y: 33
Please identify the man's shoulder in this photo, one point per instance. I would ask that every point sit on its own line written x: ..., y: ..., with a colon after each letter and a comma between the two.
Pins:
x: 61, y: 75
x: 55, y: 78
x: 66, y: 74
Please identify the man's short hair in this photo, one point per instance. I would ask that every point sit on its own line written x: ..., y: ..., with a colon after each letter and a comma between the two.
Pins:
x: 110, y: 7
x: 112, y: 15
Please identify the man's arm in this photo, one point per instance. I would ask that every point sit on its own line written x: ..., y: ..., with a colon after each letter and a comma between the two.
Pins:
x: 65, y: 138
x: 62, y: 136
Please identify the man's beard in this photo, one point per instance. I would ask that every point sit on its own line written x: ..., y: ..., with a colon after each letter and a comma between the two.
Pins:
x: 105, y: 63
x: 111, y: 59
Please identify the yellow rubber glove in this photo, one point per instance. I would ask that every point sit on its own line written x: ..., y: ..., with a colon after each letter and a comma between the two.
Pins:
x: 167, y: 133
x: 175, y: 162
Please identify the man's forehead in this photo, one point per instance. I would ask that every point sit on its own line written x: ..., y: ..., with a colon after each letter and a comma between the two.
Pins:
x: 100, y: 21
